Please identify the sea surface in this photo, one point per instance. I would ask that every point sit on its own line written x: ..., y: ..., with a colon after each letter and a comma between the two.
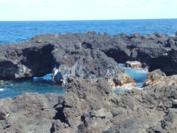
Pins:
x: 15, y: 31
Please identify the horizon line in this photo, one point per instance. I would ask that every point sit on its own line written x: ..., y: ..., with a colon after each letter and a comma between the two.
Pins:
x: 88, y: 19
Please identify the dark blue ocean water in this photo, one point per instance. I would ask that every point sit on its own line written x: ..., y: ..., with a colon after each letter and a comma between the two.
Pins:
x: 18, y: 31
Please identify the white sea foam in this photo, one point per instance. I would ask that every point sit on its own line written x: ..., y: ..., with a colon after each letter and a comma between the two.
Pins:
x: 1, y: 89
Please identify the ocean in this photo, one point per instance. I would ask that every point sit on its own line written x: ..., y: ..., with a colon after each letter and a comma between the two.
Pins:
x: 14, y: 31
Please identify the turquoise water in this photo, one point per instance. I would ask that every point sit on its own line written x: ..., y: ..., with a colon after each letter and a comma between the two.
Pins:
x: 46, y: 78
x: 38, y: 84
x: 138, y: 75
x: 17, y: 31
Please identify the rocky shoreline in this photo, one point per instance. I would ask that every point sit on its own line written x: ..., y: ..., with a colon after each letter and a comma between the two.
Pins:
x: 89, y: 51
x: 88, y: 63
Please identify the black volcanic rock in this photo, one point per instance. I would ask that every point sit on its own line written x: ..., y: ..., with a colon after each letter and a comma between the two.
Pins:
x: 43, y: 53
x: 86, y: 64
x: 40, y: 55
x: 24, y: 61
x: 28, y: 113
x: 93, y: 107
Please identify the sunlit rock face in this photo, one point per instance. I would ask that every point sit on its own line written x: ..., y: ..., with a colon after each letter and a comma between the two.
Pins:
x: 158, y: 78
x: 154, y: 76
x: 122, y: 81
x: 135, y: 65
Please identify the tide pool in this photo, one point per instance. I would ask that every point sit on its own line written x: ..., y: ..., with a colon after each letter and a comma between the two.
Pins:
x: 139, y: 75
x: 41, y: 85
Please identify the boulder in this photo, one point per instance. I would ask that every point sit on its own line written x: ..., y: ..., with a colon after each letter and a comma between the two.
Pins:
x: 24, y: 61
x: 28, y: 113
x: 154, y: 76
x: 88, y: 64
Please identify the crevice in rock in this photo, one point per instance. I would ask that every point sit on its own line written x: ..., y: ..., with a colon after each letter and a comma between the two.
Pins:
x: 52, y: 129
x: 118, y: 55
x: 86, y: 45
x: 60, y: 114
